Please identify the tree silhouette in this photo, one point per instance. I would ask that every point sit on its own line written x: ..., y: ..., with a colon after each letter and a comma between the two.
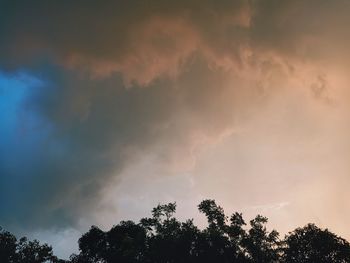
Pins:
x: 162, y: 238
x: 33, y: 252
x: 8, y: 246
x: 23, y: 250
x: 311, y: 244
x: 261, y: 245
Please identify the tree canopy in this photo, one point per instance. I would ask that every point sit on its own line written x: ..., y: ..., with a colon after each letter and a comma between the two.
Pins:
x: 162, y: 238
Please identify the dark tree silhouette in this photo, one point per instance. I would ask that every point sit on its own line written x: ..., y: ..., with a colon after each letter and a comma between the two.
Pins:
x: 8, y: 247
x: 161, y: 238
x: 261, y: 245
x: 311, y: 244
x: 23, y: 250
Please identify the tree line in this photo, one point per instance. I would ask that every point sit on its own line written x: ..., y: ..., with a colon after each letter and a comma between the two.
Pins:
x: 162, y: 238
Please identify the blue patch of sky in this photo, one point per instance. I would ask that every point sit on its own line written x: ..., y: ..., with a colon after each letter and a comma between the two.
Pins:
x: 25, y: 135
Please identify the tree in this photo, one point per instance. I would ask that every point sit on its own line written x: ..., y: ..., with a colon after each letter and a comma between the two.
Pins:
x: 92, y: 246
x: 261, y: 245
x: 8, y: 246
x: 237, y: 236
x: 214, y: 243
x: 311, y: 244
x: 162, y: 238
x: 24, y: 251
x: 33, y: 252
x: 126, y: 242
x: 168, y: 239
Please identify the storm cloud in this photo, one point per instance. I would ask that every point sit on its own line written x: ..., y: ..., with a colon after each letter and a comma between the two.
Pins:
x: 93, y: 92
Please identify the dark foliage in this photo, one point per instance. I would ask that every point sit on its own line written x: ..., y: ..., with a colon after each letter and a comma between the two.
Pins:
x: 163, y: 239
x: 312, y: 244
x: 24, y: 251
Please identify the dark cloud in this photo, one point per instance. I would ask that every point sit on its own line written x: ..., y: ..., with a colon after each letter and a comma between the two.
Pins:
x: 145, y: 39
x: 305, y: 30
x: 142, y: 39
x: 94, y: 127
x: 120, y: 79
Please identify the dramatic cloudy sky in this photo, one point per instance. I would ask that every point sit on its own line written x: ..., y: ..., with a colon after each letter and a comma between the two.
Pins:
x: 109, y: 107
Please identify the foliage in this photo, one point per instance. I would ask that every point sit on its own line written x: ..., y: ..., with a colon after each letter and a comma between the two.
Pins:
x: 24, y: 251
x: 161, y: 238
x: 312, y: 244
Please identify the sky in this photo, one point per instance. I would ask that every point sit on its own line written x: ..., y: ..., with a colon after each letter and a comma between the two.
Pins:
x: 108, y: 108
